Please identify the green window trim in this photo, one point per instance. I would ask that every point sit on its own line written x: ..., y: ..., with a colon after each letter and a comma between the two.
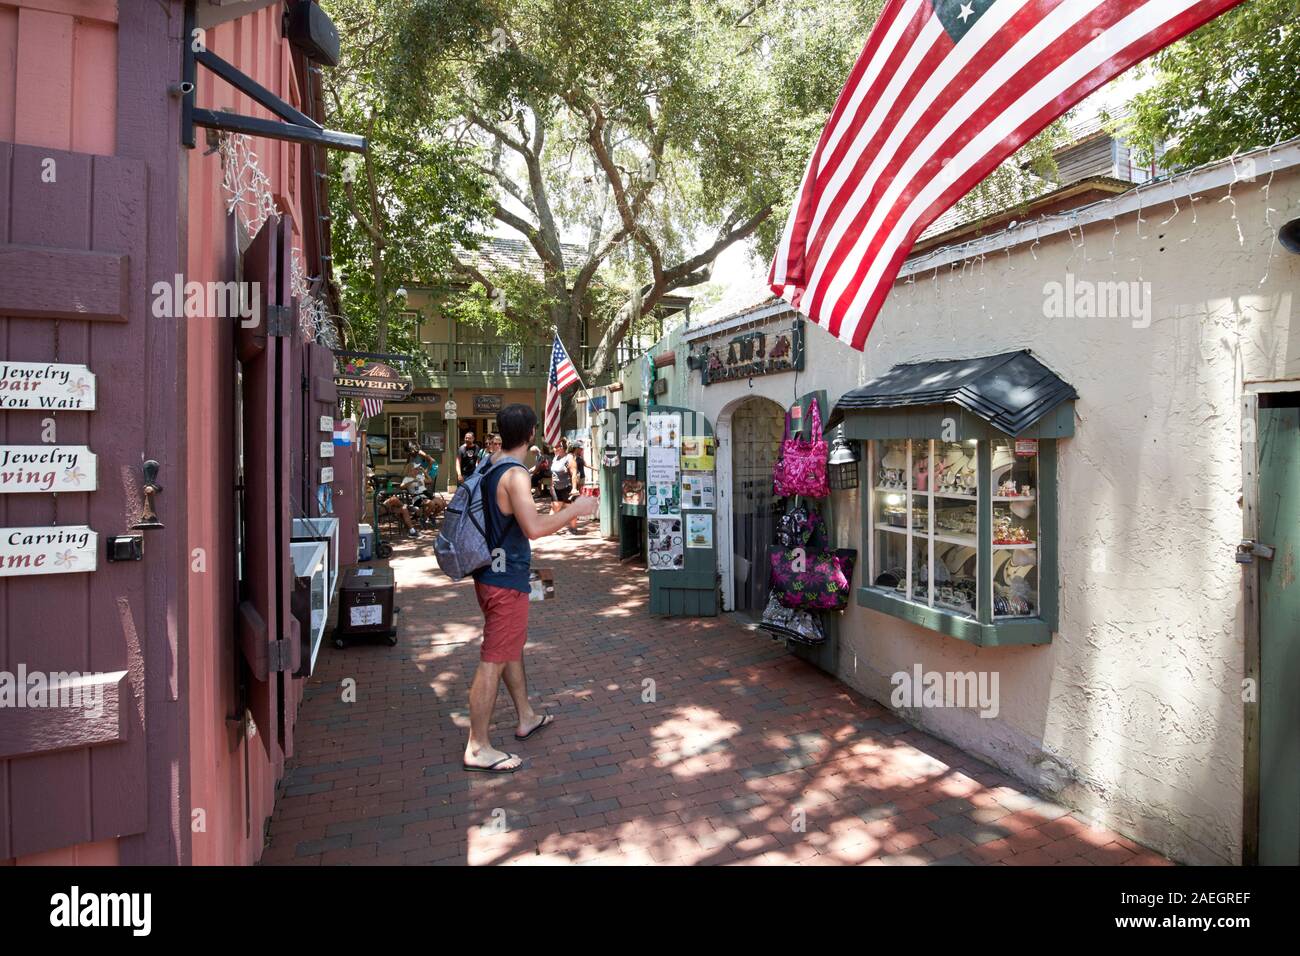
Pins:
x: 937, y: 423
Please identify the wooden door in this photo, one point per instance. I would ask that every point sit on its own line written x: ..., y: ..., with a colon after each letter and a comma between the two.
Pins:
x: 1279, y: 631
x: 73, y: 291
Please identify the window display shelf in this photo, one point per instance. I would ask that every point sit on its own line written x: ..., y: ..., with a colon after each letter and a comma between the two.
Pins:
x: 957, y: 497
x: 1030, y: 546
x: 1029, y: 498
x: 891, y: 528
x: 967, y: 540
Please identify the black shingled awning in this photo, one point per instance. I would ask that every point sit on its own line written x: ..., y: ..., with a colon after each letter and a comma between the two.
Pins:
x: 1010, y: 391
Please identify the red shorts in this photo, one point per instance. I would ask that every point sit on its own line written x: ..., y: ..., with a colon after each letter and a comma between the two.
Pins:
x: 505, y: 622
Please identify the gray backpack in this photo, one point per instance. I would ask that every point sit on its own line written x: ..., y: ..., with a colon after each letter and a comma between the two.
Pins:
x: 462, y: 546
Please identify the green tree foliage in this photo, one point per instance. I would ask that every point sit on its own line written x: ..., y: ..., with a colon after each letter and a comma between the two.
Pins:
x: 1228, y: 87
x: 406, y: 205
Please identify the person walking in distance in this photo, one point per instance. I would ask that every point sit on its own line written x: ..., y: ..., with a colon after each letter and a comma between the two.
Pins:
x: 564, y: 477
x: 468, y: 456
x: 502, y: 589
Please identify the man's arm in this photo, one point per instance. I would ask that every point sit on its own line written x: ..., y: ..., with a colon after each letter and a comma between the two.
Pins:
x: 519, y: 495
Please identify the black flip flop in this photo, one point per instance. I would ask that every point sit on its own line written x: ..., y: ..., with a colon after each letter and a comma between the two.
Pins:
x: 547, y: 720
x: 492, y: 767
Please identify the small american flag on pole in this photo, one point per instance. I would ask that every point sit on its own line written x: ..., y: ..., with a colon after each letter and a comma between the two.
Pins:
x: 943, y: 92
x: 370, y: 407
x: 561, y: 376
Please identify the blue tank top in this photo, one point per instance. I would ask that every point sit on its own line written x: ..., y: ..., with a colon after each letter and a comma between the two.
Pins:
x: 503, y: 531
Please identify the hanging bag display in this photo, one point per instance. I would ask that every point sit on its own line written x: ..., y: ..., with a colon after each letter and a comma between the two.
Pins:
x: 801, y: 469
x: 802, y: 627
x: 813, y: 576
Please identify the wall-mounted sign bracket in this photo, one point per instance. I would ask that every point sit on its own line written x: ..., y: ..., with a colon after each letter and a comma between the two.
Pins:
x: 294, y: 125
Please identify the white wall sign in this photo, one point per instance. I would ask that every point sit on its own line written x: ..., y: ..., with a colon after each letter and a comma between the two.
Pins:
x: 449, y: 410
x: 327, y: 424
x: 327, y: 449
x: 47, y: 468
x: 45, y: 385
x: 64, y: 549
x: 326, y: 476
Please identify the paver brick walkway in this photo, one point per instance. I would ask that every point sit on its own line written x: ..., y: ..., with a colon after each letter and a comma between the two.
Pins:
x: 676, y: 741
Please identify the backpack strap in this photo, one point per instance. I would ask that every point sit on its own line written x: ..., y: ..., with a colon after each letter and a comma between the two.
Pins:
x: 490, y: 500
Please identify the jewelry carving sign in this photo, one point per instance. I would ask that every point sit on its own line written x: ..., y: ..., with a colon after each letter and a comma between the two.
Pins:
x: 46, y: 386
x: 65, y: 549
x: 47, y: 468
x: 754, y: 353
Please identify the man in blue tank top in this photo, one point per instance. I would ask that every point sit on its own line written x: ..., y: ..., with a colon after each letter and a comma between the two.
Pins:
x: 502, y: 589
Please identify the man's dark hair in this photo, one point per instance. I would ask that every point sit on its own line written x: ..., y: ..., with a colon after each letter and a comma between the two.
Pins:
x: 516, y: 424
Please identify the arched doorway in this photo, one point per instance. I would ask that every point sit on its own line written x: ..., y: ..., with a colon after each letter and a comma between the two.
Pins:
x: 749, y: 433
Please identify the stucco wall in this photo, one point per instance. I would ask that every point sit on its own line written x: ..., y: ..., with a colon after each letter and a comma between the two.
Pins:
x: 1133, y: 714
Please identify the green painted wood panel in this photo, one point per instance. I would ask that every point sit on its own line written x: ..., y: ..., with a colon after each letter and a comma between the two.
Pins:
x: 1279, y: 630
x: 692, y: 591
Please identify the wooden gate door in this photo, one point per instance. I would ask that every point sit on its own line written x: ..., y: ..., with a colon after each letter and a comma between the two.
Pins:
x: 73, y: 294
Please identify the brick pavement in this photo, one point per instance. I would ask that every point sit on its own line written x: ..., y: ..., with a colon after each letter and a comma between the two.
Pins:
x: 740, y: 753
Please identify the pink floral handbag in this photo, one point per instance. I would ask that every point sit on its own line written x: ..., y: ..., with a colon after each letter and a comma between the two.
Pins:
x: 801, y: 469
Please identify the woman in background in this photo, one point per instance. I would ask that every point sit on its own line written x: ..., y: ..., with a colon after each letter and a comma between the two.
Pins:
x: 564, y: 478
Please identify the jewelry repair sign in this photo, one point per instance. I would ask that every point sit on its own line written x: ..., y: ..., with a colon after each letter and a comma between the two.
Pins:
x: 46, y: 385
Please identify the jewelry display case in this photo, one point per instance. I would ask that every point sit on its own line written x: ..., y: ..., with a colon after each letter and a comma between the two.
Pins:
x: 959, y: 518
x: 955, y: 535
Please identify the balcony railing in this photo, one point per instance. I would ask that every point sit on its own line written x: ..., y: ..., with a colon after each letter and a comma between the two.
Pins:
x: 493, y: 358
x: 448, y: 358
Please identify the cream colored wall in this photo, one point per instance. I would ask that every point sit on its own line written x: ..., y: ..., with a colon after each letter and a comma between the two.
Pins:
x: 1134, y: 713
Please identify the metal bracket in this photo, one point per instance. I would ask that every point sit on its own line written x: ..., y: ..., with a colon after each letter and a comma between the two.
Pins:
x: 297, y: 127
x: 1249, y: 550
x: 279, y: 320
x: 278, y: 656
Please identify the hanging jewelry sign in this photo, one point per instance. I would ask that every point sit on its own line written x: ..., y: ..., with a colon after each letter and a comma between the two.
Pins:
x: 753, y: 354
x: 47, y: 468
x: 64, y: 549
x: 42, y: 386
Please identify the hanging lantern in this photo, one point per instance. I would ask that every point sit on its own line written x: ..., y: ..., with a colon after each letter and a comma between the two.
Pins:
x: 843, y: 461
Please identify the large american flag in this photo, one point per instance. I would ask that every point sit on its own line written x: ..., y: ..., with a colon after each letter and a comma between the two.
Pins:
x: 943, y: 92
x: 561, y: 376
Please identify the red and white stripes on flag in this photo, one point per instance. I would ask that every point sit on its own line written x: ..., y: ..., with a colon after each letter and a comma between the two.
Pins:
x: 561, y: 376
x: 370, y: 407
x: 943, y: 92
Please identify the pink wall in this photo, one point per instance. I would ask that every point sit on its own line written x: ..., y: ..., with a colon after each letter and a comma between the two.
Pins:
x: 58, y: 74
x: 254, y: 45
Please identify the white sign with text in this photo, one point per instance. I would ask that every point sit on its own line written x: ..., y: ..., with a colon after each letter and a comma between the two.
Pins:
x: 46, y: 386
x: 47, y: 468
x: 63, y: 549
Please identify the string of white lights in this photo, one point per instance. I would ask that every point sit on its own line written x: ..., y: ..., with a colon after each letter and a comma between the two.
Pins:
x: 1018, y: 231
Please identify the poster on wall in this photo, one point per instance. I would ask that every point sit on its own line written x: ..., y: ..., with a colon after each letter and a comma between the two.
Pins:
x: 661, y: 465
x: 699, y: 531
x: 664, y: 430
x: 664, y: 548
x: 698, y: 490
x: 697, y: 453
x: 663, y: 500
x: 633, y: 492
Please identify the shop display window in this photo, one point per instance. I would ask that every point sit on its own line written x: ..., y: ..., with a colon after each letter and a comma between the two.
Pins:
x: 955, y: 539
x: 402, y: 430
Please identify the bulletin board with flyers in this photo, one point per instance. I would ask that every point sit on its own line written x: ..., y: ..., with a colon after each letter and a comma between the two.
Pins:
x: 679, y: 488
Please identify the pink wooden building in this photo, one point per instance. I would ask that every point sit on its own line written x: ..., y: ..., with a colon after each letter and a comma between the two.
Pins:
x: 190, y: 631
